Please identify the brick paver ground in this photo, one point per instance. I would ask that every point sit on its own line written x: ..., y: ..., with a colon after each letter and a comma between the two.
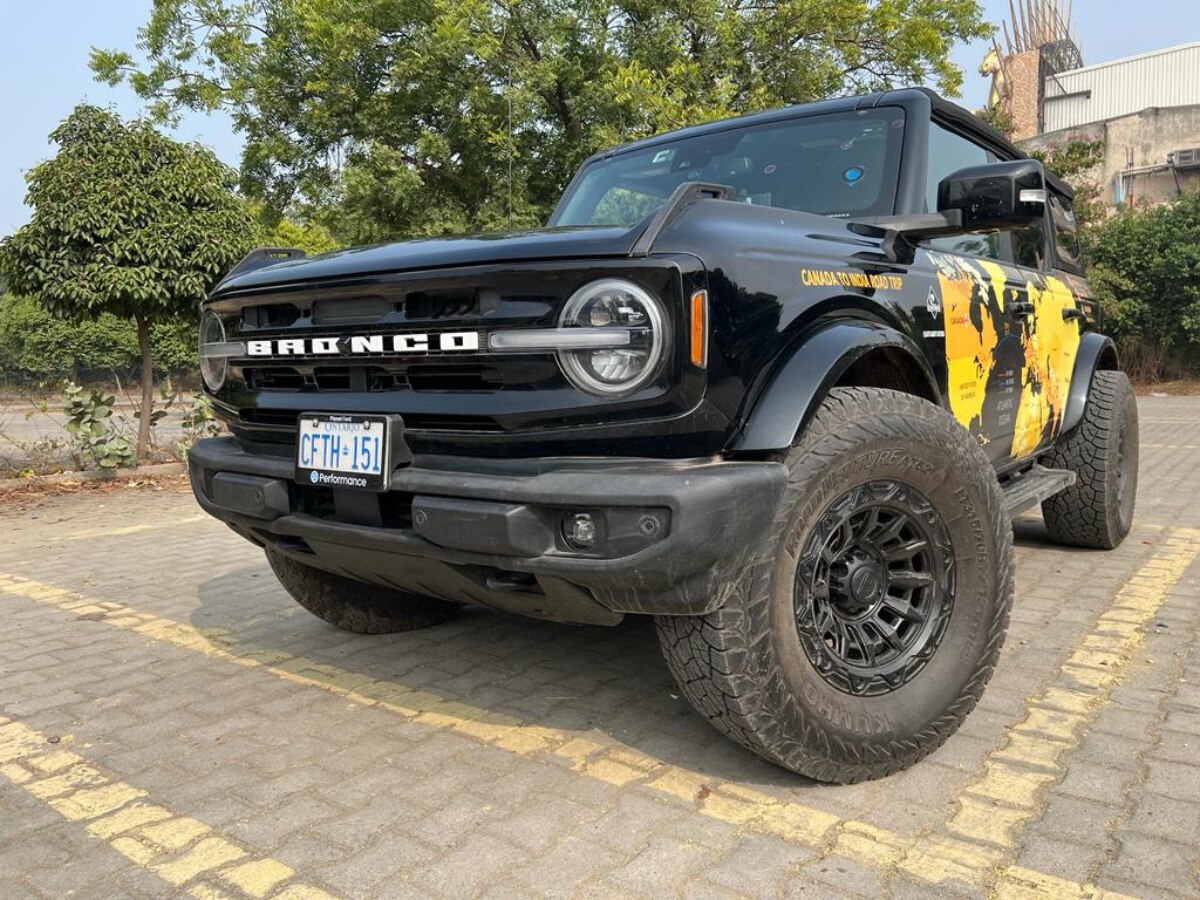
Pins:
x: 171, y: 723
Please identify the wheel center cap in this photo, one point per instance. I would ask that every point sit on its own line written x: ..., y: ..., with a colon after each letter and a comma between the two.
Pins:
x: 858, y: 582
x: 866, y: 583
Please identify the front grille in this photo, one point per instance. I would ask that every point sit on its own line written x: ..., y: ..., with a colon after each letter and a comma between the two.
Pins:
x: 350, y: 311
x: 446, y: 397
x: 421, y: 377
x: 275, y: 379
x: 471, y: 378
x: 380, y: 379
x: 450, y: 303
x: 434, y: 304
x: 273, y: 315
x: 332, y: 378
x: 427, y: 422
x: 283, y: 419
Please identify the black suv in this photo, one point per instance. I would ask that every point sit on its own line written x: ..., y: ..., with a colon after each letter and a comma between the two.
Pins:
x: 778, y: 381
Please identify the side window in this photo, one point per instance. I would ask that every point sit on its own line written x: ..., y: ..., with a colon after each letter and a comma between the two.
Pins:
x: 1029, y: 244
x: 1066, y: 231
x: 1029, y: 247
x: 949, y: 152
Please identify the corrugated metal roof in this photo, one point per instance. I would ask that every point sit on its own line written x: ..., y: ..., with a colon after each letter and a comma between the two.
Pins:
x: 1169, y: 77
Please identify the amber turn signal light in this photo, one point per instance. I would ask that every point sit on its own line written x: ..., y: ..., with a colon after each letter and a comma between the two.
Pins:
x: 699, y: 329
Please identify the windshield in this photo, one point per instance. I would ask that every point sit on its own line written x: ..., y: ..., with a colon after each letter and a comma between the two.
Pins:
x: 840, y: 164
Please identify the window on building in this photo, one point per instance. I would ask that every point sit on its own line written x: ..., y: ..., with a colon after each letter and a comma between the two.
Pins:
x: 949, y: 152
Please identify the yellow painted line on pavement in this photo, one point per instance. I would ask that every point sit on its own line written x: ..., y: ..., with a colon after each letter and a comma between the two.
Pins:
x: 936, y: 859
x: 180, y: 850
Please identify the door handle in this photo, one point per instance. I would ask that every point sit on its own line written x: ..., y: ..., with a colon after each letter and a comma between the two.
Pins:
x: 1070, y: 314
x: 1022, y: 309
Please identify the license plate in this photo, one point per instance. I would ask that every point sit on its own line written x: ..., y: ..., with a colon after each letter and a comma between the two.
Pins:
x: 343, y: 451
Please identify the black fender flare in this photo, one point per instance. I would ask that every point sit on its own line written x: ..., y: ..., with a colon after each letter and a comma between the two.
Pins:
x: 814, y: 366
x: 1096, y: 351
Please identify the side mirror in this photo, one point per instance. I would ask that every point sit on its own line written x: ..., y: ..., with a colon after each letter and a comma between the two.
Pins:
x: 997, y: 196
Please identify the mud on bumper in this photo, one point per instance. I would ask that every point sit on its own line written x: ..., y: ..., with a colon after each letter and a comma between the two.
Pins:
x: 671, y: 536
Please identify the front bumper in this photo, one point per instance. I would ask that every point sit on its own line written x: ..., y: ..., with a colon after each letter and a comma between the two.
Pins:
x: 672, y: 535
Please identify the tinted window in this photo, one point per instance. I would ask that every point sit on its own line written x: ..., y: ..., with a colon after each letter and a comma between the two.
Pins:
x: 1029, y: 247
x: 842, y: 164
x: 1066, y: 231
x: 949, y: 152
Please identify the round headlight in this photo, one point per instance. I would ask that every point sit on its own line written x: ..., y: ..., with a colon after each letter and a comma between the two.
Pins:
x: 212, y: 368
x: 613, y: 303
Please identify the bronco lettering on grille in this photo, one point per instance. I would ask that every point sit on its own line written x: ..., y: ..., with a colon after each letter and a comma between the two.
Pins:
x: 367, y: 344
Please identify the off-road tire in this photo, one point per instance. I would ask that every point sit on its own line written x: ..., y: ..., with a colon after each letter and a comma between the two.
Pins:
x: 1102, y: 451
x: 744, y: 667
x: 355, y: 605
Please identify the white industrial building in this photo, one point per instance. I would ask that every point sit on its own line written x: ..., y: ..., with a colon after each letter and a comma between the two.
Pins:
x: 1146, y: 110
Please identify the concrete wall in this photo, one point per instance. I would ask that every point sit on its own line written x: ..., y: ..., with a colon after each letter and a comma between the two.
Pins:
x: 1132, y: 143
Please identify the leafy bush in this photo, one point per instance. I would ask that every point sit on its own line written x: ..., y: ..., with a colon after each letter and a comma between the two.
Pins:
x: 198, y: 422
x: 89, y: 422
x: 1145, y: 269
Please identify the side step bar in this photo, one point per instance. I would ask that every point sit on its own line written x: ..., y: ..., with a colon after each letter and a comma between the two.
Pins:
x: 1025, y: 491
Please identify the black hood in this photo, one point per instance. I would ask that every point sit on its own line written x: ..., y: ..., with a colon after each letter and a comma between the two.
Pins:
x: 434, y: 253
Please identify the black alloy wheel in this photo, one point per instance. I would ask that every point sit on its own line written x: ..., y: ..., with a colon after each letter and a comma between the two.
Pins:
x: 874, y: 588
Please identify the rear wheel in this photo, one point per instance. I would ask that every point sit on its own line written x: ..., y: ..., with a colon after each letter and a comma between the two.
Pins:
x: 1102, y: 451
x: 873, y: 617
x: 355, y: 605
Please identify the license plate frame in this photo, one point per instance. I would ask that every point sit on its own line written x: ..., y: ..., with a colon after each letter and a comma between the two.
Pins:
x: 359, y: 446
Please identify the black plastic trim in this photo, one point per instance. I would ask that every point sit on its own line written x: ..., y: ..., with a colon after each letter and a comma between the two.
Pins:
x: 682, y: 197
x: 813, y: 367
x: 719, y: 511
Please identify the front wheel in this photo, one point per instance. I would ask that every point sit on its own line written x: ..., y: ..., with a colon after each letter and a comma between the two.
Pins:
x: 873, y: 617
x: 355, y: 605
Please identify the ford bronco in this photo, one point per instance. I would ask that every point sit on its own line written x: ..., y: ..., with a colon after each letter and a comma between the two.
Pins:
x: 779, y: 381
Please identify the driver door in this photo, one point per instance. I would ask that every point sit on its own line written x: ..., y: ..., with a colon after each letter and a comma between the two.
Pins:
x: 984, y: 301
x: 1049, y: 329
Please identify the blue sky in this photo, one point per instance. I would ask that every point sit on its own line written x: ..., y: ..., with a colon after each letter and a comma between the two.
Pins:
x: 44, y: 52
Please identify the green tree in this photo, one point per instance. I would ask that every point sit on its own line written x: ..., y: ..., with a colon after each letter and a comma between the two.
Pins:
x: 311, y: 237
x: 1145, y: 267
x: 399, y: 117
x: 129, y: 222
x: 1075, y: 162
x: 37, y: 345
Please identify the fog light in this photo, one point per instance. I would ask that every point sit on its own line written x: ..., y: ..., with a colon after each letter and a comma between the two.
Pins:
x: 579, y: 530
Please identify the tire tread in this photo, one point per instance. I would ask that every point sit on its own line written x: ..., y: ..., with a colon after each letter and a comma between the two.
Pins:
x: 1086, y: 514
